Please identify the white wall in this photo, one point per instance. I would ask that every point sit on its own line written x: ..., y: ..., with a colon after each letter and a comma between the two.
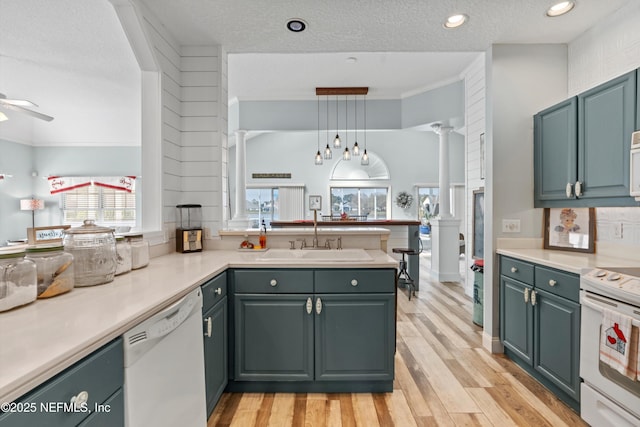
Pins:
x: 411, y: 156
x: 521, y: 80
x: 608, y: 50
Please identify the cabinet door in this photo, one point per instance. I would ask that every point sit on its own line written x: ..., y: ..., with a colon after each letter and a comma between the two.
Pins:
x: 557, y: 341
x: 215, y: 352
x: 555, y: 151
x: 606, y: 118
x: 516, y: 318
x: 273, y: 337
x: 355, y: 336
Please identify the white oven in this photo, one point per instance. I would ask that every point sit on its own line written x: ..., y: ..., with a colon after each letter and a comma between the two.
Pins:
x: 608, y: 398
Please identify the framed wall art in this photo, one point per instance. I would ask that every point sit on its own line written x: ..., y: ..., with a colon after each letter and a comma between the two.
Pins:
x: 570, y: 229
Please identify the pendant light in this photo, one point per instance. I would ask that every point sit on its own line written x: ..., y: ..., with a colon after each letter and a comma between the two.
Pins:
x: 365, y: 157
x: 346, y: 154
x: 337, y: 142
x: 356, y: 149
x: 327, y: 150
x: 318, y: 160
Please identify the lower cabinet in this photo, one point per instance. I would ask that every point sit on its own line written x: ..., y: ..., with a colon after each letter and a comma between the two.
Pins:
x: 214, y: 318
x: 313, y: 330
x: 94, y: 384
x: 540, y: 324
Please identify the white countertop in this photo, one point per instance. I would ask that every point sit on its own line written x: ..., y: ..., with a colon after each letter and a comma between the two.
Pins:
x: 572, y: 262
x: 45, y: 337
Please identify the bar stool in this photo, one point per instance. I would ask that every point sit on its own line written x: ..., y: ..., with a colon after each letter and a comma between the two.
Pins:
x: 403, y: 274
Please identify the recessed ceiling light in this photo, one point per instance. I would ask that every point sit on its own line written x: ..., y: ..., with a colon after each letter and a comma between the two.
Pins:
x: 455, y: 21
x: 352, y: 60
x: 296, y: 25
x: 560, y: 8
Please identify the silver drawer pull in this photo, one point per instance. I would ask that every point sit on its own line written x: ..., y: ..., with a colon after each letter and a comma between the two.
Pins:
x: 80, y: 399
x: 526, y: 295
x: 354, y: 282
x: 514, y: 269
x: 273, y: 282
x: 533, y: 297
x: 552, y: 282
x: 209, y: 327
x: 218, y: 291
x: 318, y: 306
x: 309, y: 305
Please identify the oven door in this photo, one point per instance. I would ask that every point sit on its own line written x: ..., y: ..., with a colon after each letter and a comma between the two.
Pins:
x: 598, y: 376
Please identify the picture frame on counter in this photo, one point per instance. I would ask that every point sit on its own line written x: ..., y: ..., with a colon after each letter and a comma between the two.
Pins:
x: 41, y: 235
x: 570, y: 229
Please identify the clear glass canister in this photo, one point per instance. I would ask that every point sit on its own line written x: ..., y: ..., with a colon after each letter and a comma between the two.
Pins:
x: 55, y: 269
x: 94, y: 253
x: 123, y: 255
x: 18, y: 279
x: 139, y: 251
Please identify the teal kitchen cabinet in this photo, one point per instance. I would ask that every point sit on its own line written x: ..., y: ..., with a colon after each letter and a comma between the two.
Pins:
x: 306, y: 330
x: 540, y: 324
x: 555, y: 150
x: 214, y: 317
x: 95, y: 384
x: 586, y: 141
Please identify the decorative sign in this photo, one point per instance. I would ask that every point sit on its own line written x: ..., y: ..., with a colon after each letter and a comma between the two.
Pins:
x: 271, y: 175
x: 52, y: 234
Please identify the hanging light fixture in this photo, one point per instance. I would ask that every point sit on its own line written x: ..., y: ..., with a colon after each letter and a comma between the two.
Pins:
x: 327, y: 151
x: 337, y: 142
x: 365, y: 157
x: 346, y: 154
x: 356, y: 149
x: 318, y: 159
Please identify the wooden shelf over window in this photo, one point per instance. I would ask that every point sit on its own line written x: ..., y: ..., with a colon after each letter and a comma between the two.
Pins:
x: 341, y: 91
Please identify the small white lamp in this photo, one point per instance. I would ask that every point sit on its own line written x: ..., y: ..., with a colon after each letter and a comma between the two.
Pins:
x: 32, y: 205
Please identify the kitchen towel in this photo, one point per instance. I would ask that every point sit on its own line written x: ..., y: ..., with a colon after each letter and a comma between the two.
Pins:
x: 634, y: 361
x: 615, y: 337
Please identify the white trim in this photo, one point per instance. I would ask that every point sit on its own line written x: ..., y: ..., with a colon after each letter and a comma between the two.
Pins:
x: 493, y: 344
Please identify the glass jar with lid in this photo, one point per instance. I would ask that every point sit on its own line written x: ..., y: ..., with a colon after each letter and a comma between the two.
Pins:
x: 18, y: 279
x: 94, y: 253
x: 123, y: 255
x: 139, y: 250
x: 54, y: 267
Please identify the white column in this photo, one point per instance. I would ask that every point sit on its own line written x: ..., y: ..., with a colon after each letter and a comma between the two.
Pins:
x: 445, y: 184
x: 445, y: 230
x: 240, y: 219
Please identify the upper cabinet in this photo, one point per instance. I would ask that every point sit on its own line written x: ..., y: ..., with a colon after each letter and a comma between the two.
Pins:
x: 581, y: 147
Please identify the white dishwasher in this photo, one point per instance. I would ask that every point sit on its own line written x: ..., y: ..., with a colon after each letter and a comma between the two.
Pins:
x: 164, y: 368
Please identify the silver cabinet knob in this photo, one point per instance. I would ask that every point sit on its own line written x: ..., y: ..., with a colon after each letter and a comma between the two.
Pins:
x: 514, y: 269
x: 569, y: 190
x: 273, y: 282
x: 354, y: 282
x: 578, y: 189
x: 552, y: 282
x: 533, y: 297
x: 218, y: 291
x: 526, y: 295
x: 80, y: 399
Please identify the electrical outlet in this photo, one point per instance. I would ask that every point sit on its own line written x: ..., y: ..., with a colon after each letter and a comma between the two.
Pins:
x: 510, y: 225
x: 617, y: 230
x: 207, y: 233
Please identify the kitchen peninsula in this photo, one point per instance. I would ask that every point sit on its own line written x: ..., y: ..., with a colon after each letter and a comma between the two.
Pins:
x: 82, y: 321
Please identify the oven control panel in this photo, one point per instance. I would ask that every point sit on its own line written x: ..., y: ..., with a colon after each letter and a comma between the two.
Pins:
x: 618, y: 282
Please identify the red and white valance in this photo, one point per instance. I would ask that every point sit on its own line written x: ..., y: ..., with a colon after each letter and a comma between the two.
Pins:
x: 58, y: 184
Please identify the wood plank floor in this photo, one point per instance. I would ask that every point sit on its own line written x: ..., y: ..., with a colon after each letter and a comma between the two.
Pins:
x: 443, y: 377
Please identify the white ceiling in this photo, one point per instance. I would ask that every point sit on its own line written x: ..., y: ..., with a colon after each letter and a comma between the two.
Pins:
x: 72, y: 58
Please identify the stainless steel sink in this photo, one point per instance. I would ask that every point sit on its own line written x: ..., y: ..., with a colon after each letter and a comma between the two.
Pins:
x: 327, y: 255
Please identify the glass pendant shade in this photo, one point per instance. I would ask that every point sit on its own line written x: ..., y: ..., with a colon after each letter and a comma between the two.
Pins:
x: 346, y: 154
x: 318, y: 160
x: 356, y: 149
x: 327, y: 153
x: 337, y: 142
x: 365, y: 158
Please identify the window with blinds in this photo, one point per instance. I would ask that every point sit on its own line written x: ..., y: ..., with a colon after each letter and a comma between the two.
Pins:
x: 107, y: 206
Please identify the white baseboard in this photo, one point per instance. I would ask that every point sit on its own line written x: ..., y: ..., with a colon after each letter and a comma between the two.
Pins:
x: 493, y: 344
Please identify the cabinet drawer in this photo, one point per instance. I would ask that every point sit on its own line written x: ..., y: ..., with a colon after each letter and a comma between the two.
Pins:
x: 516, y: 269
x: 213, y: 291
x: 560, y: 283
x: 273, y: 281
x: 341, y: 281
x: 100, y: 374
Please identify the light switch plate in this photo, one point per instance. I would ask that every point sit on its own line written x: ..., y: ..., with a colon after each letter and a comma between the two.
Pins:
x: 510, y: 225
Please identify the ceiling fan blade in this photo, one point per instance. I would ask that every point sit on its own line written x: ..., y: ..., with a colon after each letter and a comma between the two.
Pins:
x: 19, y: 102
x: 27, y: 111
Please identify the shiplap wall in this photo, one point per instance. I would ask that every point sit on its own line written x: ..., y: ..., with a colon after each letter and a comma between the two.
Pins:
x: 608, y: 50
x: 474, y: 88
x: 194, y: 125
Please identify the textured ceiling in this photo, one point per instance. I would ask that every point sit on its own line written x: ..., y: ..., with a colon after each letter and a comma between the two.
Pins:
x: 72, y: 58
